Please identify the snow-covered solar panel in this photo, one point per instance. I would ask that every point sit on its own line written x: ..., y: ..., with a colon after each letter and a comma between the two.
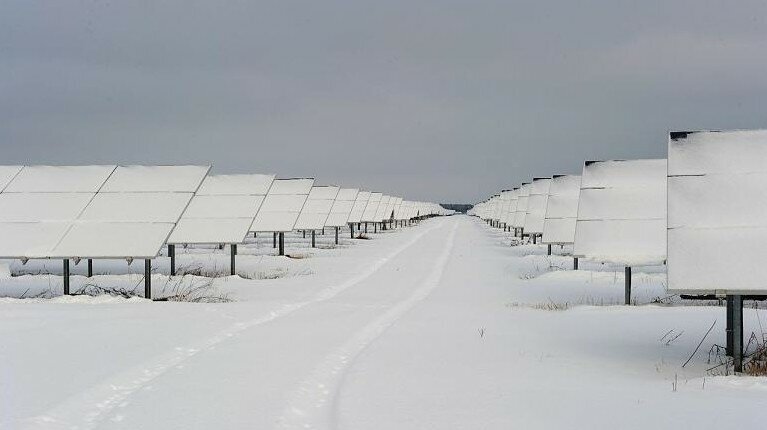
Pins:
x: 360, y: 203
x: 147, y: 179
x: 391, y: 211
x: 317, y: 208
x: 7, y: 173
x: 132, y: 215
x: 536, y: 205
x: 521, y: 210
x: 622, y: 212
x: 59, y: 179
x: 717, y: 226
x: 372, y: 207
x: 402, y: 210
x: 282, y: 205
x: 382, y: 206
x: 562, y: 209
x: 223, y: 209
x: 39, y: 204
x: 342, y: 207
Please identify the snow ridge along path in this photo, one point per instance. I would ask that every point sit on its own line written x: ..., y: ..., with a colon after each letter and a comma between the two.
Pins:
x: 87, y: 410
x: 314, y: 405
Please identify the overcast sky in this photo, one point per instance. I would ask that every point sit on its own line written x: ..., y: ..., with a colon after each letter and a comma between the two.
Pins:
x: 446, y: 101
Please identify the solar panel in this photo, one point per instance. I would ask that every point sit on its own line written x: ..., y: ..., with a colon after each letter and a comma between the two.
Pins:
x: 716, y: 211
x: 360, y: 203
x: 223, y: 209
x: 397, y: 202
x: 7, y: 173
x: 372, y: 208
x: 39, y: 204
x: 381, y: 213
x: 282, y: 205
x: 622, y: 212
x: 342, y: 207
x: 317, y: 208
x: 536, y: 205
x: 59, y: 179
x: 562, y: 210
x: 133, y: 214
x: 521, y: 210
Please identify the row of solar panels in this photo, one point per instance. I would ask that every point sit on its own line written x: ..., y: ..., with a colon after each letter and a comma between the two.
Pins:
x: 133, y: 211
x: 703, y: 211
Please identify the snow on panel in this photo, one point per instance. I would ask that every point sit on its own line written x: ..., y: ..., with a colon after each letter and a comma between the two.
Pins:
x: 317, y: 208
x: 39, y: 207
x: 521, y: 210
x: 622, y: 212
x: 342, y: 207
x: 223, y: 207
x: 247, y: 184
x: 210, y: 230
x: 360, y: 203
x: 562, y: 209
x: 136, y: 207
x: 7, y: 173
x: 282, y: 205
x: 113, y: 240
x: 59, y: 179
x: 291, y: 186
x: 30, y: 239
x: 381, y: 213
x: 372, y: 207
x: 156, y: 179
x: 716, y: 206
x: 536, y: 205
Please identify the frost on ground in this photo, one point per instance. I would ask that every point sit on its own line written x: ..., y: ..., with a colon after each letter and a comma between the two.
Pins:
x: 442, y: 325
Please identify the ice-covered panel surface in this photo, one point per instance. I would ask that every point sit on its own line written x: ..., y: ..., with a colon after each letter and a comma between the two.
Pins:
x: 156, y: 179
x: 59, y: 179
x: 113, y: 240
x: 716, y: 211
x: 372, y: 207
x: 383, y: 205
x: 223, y: 206
x: 559, y: 230
x: 360, y: 203
x: 279, y: 213
x: 621, y: 209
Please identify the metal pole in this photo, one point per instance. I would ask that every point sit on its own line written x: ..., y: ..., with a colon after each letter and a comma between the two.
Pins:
x: 274, y: 241
x: 90, y: 267
x: 66, y: 277
x: 549, y: 249
x: 375, y: 227
x: 148, y: 278
x: 737, y: 332
x: 336, y: 235
x: 575, y: 263
x: 351, y: 230
x: 304, y: 234
x: 628, y: 285
x: 282, y: 243
x: 366, y: 227
x: 172, y: 255
x: 313, y: 243
x: 729, y: 325
x: 233, y: 249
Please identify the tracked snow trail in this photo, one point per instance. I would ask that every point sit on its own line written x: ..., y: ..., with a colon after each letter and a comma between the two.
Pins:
x: 91, y: 408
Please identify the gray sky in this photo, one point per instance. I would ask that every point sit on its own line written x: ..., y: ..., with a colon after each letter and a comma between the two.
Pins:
x: 441, y: 100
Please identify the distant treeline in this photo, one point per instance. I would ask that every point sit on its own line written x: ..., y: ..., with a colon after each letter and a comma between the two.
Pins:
x: 458, y: 207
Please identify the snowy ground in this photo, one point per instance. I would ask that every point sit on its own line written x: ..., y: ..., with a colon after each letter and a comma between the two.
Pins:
x: 438, y: 326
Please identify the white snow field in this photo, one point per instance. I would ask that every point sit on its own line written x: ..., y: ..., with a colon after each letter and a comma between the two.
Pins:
x: 438, y: 326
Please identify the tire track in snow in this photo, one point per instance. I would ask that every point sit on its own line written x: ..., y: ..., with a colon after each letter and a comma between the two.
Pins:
x: 314, y: 405
x: 86, y: 410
